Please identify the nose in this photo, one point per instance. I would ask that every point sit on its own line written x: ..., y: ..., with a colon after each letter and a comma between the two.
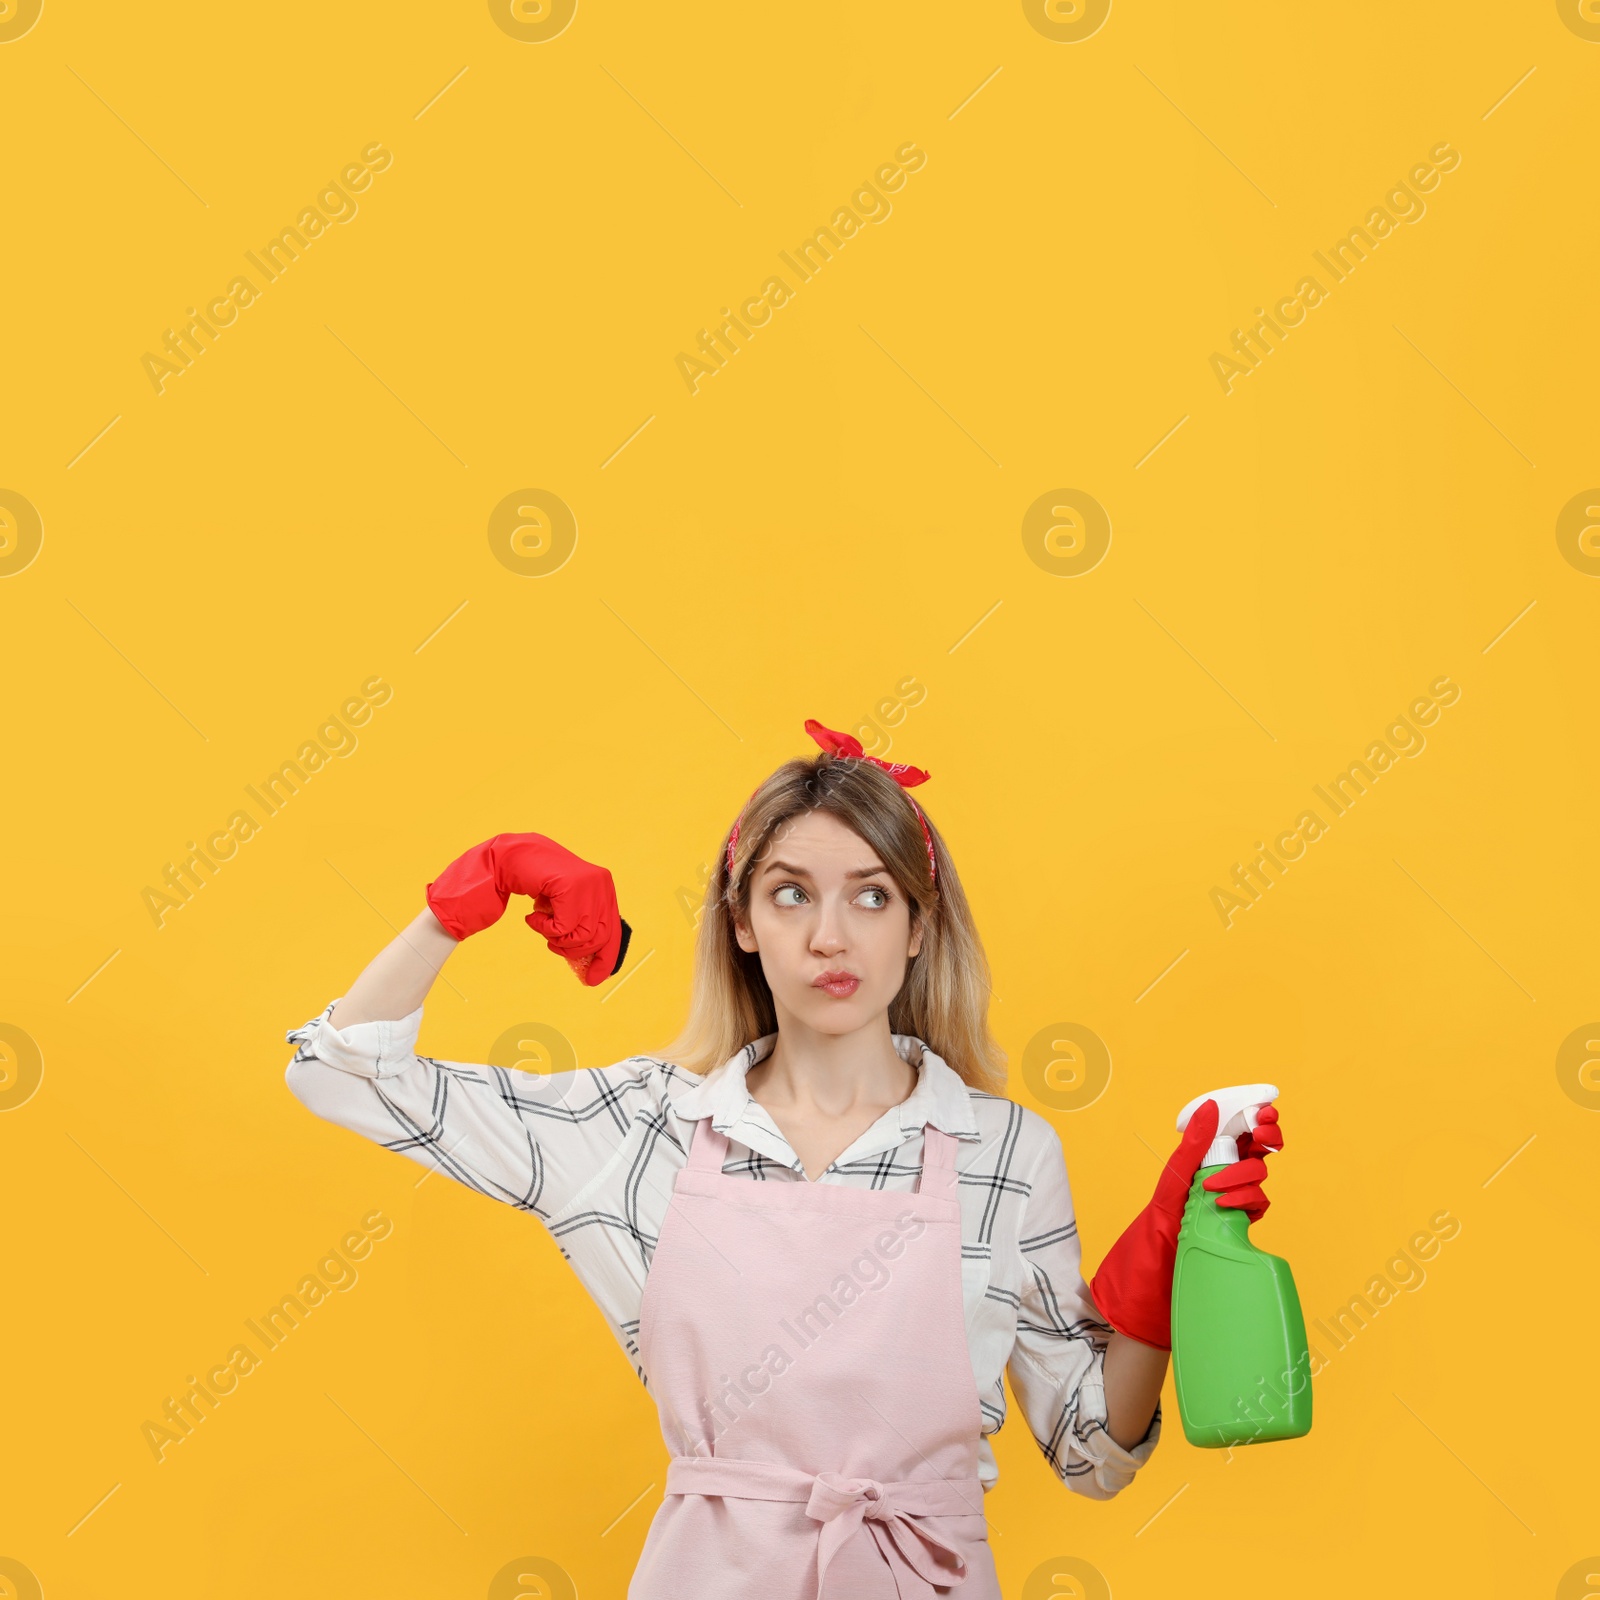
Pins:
x: 827, y: 935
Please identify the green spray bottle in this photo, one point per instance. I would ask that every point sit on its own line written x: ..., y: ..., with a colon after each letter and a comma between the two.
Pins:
x: 1239, y: 1355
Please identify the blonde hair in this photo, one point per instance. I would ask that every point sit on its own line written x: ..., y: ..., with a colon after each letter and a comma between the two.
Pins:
x: 944, y: 1000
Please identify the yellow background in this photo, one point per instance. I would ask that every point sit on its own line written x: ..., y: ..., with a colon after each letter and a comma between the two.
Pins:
x: 836, y: 511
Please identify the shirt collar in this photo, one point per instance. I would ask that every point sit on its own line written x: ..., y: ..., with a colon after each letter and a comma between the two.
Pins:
x: 940, y: 1098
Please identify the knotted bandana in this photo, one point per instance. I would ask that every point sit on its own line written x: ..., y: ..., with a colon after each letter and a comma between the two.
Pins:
x: 847, y: 746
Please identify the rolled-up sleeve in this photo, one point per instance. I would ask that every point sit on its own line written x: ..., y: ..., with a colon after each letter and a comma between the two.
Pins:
x: 1057, y: 1365
x: 529, y: 1140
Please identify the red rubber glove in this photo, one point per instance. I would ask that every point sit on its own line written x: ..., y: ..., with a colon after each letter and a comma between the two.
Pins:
x: 1133, y: 1287
x: 575, y: 901
x: 1240, y: 1185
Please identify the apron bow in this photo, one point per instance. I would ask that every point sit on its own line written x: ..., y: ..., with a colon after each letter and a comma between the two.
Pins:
x: 909, y: 1546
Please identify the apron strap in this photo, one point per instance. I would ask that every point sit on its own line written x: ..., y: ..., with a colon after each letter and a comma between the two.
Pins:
x: 939, y: 1176
x: 708, y: 1149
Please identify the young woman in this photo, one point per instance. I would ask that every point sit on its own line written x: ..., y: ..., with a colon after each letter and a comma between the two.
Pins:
x: 817, y: 1228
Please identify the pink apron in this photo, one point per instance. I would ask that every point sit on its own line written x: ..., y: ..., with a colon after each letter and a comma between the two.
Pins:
x: 806, y: 1346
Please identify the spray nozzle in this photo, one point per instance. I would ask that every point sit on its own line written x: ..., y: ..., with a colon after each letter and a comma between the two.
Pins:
x: 1236, y: 1116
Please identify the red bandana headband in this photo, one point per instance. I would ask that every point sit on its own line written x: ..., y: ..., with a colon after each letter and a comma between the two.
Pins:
x: 847, y: 745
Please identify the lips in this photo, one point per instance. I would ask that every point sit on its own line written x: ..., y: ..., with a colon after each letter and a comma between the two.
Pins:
x: 839, y: 984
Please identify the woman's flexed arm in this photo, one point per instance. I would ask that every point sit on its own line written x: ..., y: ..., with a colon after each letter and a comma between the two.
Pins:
x: 529, y: 1139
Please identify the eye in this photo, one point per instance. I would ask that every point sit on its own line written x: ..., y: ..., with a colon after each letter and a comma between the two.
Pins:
x: 782, y: 887
x: 873, y: 888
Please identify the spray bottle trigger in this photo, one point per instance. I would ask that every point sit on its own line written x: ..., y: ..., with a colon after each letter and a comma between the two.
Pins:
x: 1236, y: 1116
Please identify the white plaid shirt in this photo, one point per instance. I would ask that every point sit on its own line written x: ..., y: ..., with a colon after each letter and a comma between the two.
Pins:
x: 593, y: 1153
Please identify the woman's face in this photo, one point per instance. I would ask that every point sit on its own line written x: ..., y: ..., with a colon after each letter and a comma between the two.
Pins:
x: 821, y: 902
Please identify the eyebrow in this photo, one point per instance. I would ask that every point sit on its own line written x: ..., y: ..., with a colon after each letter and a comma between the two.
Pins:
x: 800, y: 872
